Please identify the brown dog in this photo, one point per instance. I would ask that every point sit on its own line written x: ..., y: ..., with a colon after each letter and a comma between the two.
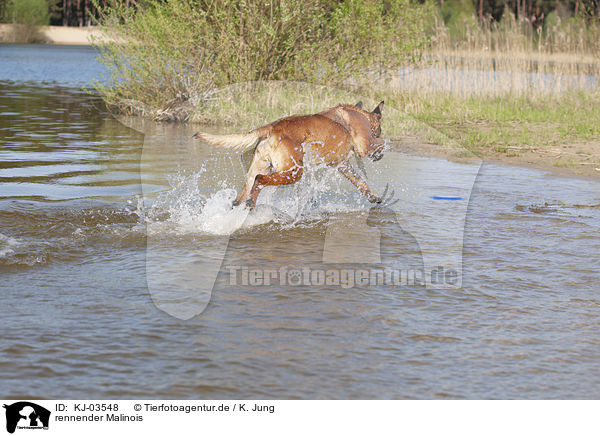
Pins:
x: 331, y: 136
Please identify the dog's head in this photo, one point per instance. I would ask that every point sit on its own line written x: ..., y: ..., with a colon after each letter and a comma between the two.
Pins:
x: 375, y: 151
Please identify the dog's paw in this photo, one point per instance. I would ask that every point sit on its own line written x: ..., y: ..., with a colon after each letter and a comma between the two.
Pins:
x: 387, y: 198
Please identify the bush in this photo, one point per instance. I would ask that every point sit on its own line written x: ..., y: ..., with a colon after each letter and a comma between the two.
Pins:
x: 376, y: 34
x: 170, y: 55
x: 26, y: 15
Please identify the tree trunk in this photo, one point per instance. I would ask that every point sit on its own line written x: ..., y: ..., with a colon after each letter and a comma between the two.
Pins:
x: 86, y: 21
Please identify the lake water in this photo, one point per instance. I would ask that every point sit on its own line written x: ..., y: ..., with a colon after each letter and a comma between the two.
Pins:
x: 125, y: 273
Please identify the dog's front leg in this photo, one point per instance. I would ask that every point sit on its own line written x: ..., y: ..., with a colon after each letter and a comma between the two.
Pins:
x: 346, y: 169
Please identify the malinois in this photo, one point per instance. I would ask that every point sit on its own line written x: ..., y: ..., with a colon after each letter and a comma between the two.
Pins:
x: 331, y: 136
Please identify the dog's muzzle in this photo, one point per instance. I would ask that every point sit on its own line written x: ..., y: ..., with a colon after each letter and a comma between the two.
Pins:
x: 378, y: 153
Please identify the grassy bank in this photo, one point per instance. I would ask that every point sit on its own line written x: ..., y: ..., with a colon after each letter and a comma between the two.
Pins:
x: 556, y: 131
x: 504, y: 90
x: 508, y: 121
x: 547, y: 130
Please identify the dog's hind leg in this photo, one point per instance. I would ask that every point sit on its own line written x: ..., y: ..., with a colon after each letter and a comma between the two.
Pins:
x: 286, y: 177
x: 346, y: 169
x: 288, y: 165
x: 258, y: 166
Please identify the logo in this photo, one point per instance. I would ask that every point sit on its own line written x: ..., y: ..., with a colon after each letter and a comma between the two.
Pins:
x: 26, y: 415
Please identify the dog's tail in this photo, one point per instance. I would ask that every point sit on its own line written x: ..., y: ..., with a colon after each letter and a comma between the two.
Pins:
x: 235, y: 141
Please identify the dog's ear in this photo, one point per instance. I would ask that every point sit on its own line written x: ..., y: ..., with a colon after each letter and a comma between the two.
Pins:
x: 359, y: 105
x: 377, y: 110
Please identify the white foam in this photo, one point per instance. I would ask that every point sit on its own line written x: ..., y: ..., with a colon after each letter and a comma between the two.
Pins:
x: 6, y: 242
x: 218, y: 217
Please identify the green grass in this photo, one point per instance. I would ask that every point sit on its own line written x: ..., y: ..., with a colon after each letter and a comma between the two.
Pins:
x: 500, y: 122
x: 565, y: 163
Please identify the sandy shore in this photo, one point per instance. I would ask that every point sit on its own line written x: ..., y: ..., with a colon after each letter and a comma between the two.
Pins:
x: 571, y: 160
x: 581, y: 160
x: 55, y: 34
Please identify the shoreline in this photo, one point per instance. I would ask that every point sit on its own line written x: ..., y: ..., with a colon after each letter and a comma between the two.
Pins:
x: 55, y: 35
x: 578, y: 158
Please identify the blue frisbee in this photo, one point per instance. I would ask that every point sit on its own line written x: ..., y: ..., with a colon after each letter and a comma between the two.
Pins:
x: 446, y: 197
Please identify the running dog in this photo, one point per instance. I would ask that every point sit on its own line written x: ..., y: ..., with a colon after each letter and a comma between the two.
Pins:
x: 331, y: 136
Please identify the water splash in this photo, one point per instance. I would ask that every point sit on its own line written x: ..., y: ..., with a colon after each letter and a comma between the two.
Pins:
x: 189, y: 207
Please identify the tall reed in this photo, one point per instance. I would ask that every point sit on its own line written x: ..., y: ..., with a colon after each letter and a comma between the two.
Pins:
x: 511, y: 56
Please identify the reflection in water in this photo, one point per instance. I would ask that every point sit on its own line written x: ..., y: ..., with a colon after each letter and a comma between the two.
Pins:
x: 398, y: 248
x: 74, y: 241
x: 78, y: 151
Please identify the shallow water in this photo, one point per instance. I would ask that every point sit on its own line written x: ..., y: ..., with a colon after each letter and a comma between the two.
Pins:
x: 111, y: 237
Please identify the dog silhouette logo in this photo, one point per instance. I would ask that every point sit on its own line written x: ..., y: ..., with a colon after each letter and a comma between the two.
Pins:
x: 26, y: 415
